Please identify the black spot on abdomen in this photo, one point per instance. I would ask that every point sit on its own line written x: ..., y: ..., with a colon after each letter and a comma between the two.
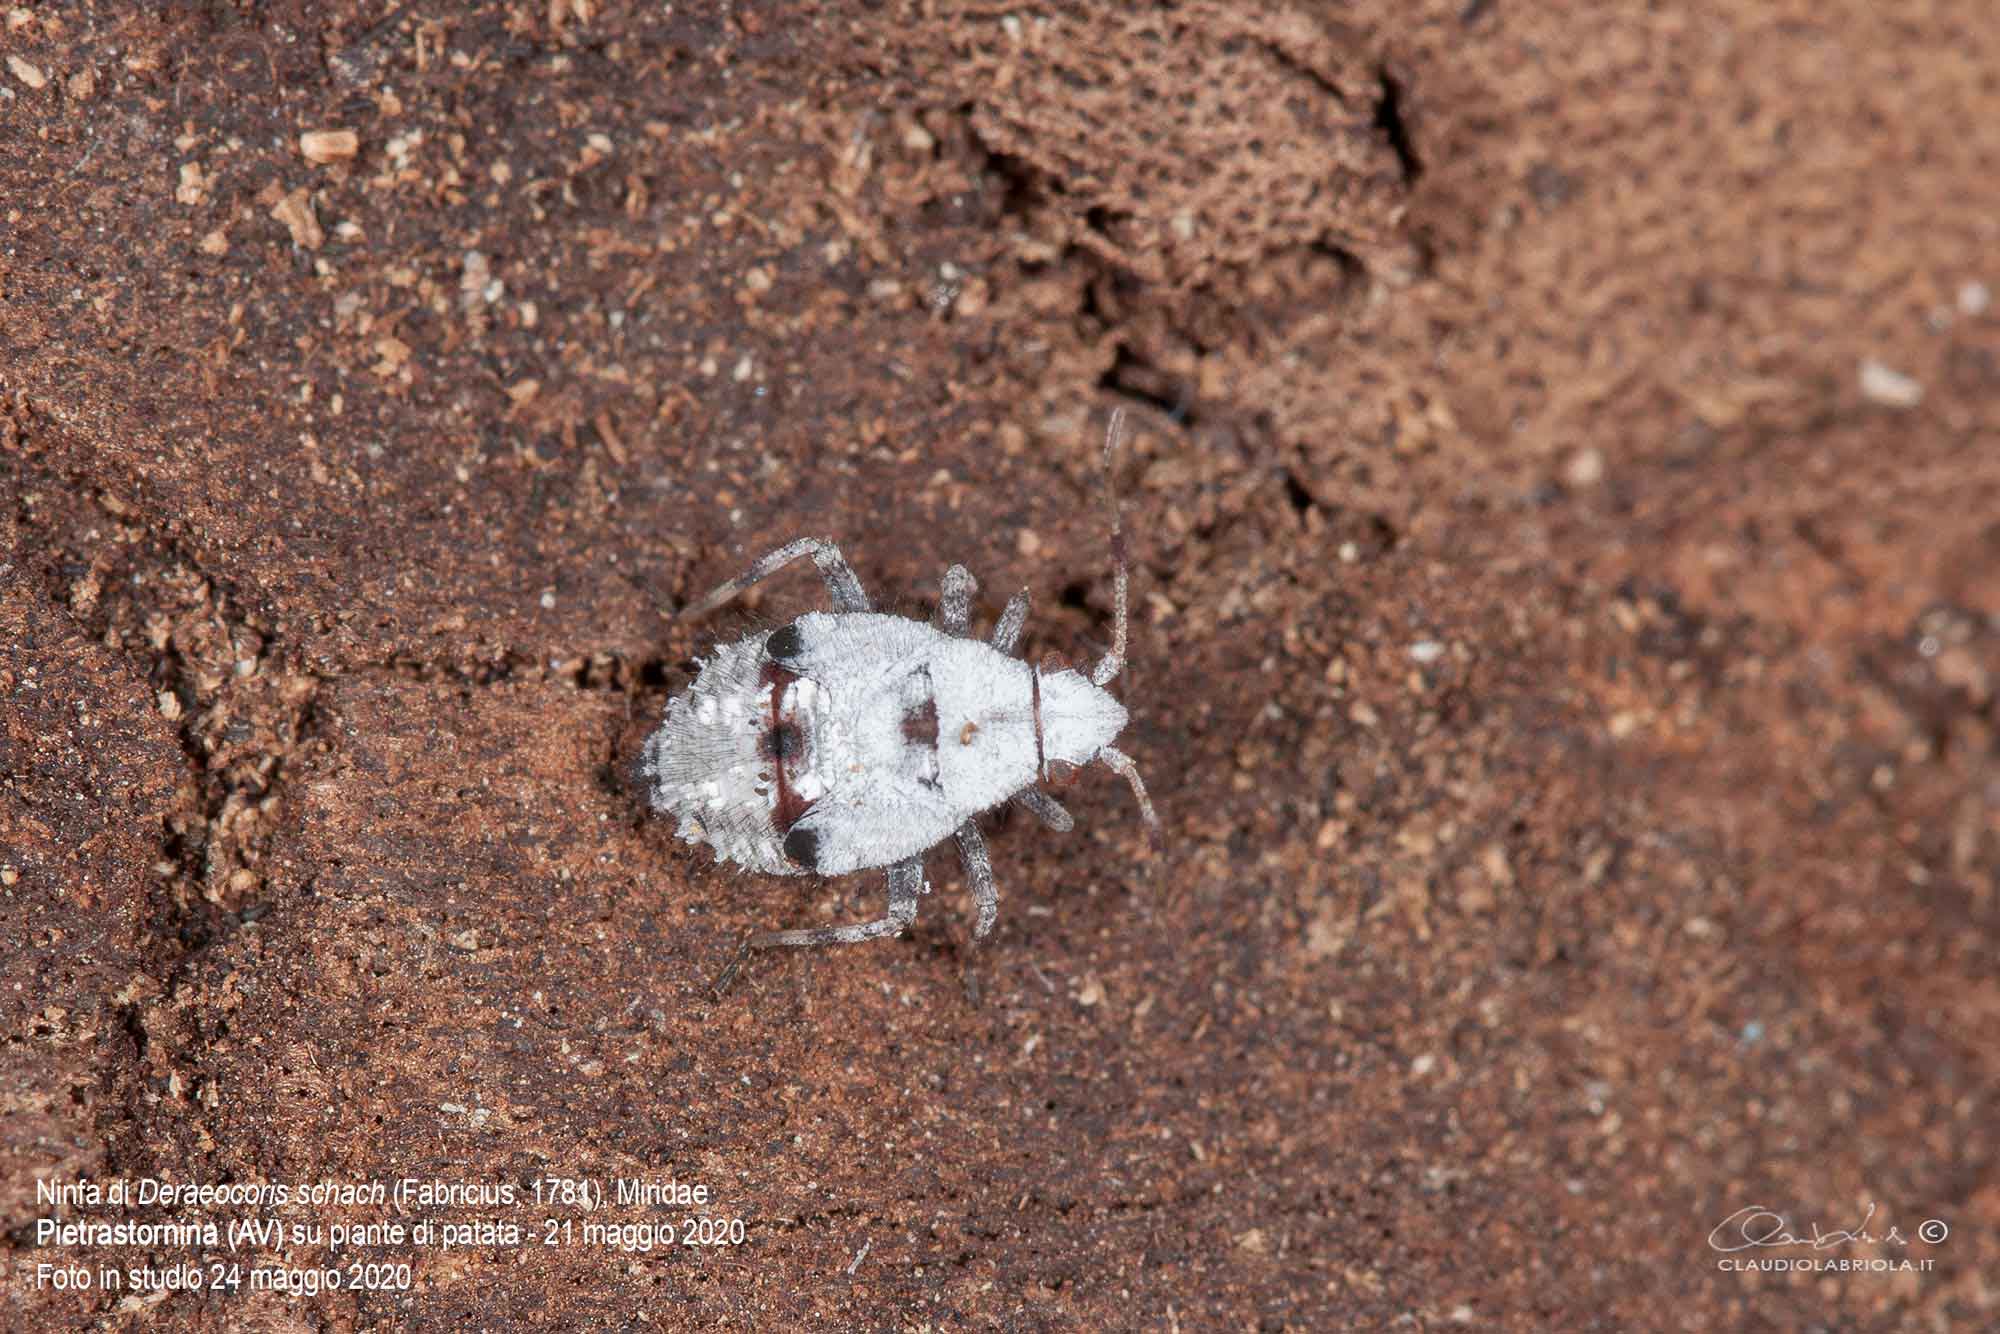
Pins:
x: 785, y: 643
x: 802, y: 846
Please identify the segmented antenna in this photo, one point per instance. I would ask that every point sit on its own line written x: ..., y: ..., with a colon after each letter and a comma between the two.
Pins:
x: 1114, y: 661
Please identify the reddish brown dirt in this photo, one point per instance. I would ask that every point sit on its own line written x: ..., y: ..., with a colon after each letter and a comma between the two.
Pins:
x: 345, y: 507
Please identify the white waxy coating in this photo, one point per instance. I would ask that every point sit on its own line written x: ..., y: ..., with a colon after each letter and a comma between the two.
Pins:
x: 905, y: 731
x: 707, y: 763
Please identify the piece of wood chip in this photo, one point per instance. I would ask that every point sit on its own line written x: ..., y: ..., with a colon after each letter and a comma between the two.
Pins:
x: 324, y: 146
x: 295, y: 210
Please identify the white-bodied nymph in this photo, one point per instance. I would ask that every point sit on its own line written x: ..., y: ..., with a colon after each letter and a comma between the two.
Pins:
x: 850, y: 739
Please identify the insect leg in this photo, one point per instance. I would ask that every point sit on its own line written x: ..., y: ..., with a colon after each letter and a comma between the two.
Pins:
x: 979, y: 873
x: 954, y: 606
x: 1007, y: 630
x: 1121, y: 764
x: 906, y: 880
x: 841, y: 582
x: 1045, y: 808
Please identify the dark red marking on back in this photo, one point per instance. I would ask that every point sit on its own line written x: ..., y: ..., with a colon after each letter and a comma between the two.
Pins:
x: 1035, y: 688
x: 784, y: 743
x: 920, y: 725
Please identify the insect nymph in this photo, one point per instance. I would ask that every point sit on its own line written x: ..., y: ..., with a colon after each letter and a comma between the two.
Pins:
x: 851, y: 740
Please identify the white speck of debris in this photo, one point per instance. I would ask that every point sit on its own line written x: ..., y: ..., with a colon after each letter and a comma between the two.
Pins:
x: 1423, y: 1065
x: 745, y: 368
x: 26, y: 73
x: 400, y: 147
x: 476, y: 277
x: 1349, y: 553
x: 859, y: 1256
x: 1586, y: 468
x: 1891, y: 388
x: 1426, y: 650
x: 1974, y: 298
x: 454, y: 1108
x: 549, y: 600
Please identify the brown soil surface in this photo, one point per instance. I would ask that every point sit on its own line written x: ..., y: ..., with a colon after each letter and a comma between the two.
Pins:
x: 1565, y: 506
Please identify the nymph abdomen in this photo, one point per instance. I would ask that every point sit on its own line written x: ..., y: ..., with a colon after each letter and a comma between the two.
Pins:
x: 714, y: 762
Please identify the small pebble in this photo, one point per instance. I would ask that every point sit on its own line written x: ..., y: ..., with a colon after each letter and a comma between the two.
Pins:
x: 1891, y: 388
x: 1586, y: 468
x: 324, y: 146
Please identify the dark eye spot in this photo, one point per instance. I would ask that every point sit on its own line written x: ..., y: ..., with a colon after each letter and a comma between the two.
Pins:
x: 802, y: 846
x: 784, y: 644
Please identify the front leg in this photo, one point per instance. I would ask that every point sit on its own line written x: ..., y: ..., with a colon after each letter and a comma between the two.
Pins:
x: 841, y: 583
x: 1045, y: 808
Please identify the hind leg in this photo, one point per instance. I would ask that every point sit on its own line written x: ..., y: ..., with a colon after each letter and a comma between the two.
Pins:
x: 906, y: 880
x: 954, y: 608
x: 979, y: 874
x: 841, y: 584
